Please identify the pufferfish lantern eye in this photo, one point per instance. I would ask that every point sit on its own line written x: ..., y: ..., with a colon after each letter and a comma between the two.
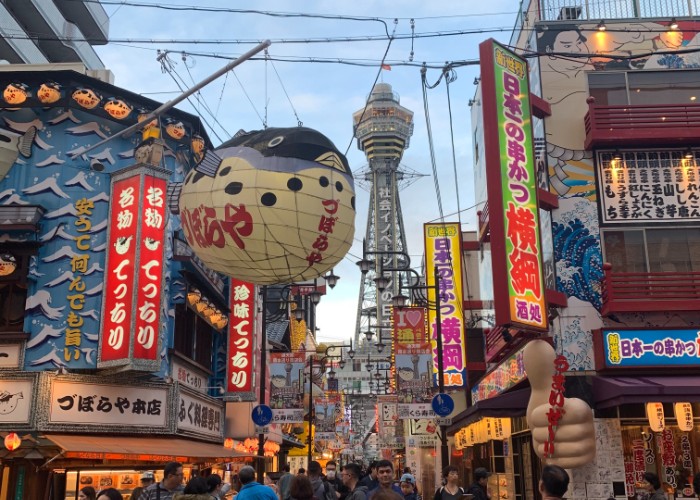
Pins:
x: 275, y: 142
x: 330, y: 159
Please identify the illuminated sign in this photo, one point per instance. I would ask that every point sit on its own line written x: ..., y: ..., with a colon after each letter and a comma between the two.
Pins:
x: 134, y: 276
x: 512, y: 190
x: 443, y: 250
x: 409, y: 326
x: 239, y: 365
x: 506, y: 375
x: 650, y: 348
x: 287, y: 386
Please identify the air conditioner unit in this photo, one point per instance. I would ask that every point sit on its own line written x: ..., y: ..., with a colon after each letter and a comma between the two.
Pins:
x: 569, y: 13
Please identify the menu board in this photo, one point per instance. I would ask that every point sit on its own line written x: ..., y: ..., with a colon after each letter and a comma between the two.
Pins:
x: 123, y: 480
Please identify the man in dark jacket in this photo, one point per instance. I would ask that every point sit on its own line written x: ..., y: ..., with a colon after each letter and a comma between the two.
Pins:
x: 478, y: 488
x: 370, y: 480
x: 334, y: 478
x: 351, y: 476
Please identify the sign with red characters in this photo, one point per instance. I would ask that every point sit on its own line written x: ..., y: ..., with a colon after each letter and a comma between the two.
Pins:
x: 239, y: 367
x: 556, y: 401
x: 134, y: 270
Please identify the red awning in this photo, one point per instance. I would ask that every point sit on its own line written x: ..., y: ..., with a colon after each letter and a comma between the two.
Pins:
x: 613, y: 391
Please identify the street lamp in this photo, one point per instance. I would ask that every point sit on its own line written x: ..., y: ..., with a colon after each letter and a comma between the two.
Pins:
x: 401, y: 300
x: 322, y: 363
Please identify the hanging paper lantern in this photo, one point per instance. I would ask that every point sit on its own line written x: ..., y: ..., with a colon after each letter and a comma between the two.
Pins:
x: 198, y: 145
x: 116, y: 108
x: 655, y: 415
x: 193, y: 296
x: 86, y: 98
x: 15, y: 93
x: 684, y: 416
x: 272, y: 206
x: 176, y: 130
x: 49, y: 92
x: 8, y: 264
x: 228, y: 443
x: 12, y: 441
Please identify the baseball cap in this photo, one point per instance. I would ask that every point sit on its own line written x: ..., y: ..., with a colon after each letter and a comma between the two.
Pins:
x: 408, y: 478
x: 481, y: 472
x: 148, y: 475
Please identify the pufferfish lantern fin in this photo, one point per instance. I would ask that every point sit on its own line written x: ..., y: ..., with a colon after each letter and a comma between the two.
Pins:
x: 173, y: 196
x: 332, y: 160
x: 209, y: 164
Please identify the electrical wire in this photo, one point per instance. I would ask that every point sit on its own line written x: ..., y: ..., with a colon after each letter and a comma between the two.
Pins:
x: 299, y: 122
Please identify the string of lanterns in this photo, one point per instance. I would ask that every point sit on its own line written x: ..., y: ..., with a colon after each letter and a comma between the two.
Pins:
x: 250, y: 445
x: 206, y: 309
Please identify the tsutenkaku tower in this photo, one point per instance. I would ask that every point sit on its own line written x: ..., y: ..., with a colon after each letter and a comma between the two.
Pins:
x: 383, y: 129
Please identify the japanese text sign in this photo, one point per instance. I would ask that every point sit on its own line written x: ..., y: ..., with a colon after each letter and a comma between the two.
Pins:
x: 651, y: 348
x: 409, y: 325
x: 443, y: 250
x: 240, y: 342
x: 655, y: 415
x: 507, y: 374
x: 107, y: 405
x: 134, y: 275
x: 684, y: 416
x: 512, y: 190
x: 287, y: 386
x: 199, y: 415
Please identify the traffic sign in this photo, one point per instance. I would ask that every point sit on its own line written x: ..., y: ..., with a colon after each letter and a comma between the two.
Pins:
x: 262, y: 415
x: 443, y: 404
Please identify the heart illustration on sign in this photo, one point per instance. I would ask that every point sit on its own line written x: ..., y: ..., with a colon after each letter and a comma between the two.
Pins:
x: 414, y: 317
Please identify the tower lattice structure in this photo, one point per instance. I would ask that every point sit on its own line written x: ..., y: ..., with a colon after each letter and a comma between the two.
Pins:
x: 383, y: 130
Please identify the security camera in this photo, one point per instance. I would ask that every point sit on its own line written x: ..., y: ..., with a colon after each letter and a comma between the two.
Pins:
x: 97, y: 165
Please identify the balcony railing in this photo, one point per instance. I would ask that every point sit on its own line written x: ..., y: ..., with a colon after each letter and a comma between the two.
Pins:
x: 637, y: 125
x: 483, y: 216
x: 649, y: 292
x: 569, y: 10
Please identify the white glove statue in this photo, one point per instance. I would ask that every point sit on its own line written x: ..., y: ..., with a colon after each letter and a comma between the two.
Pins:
x: 574, y: 434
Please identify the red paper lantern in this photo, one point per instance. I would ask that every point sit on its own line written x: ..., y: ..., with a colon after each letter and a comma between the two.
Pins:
x: 12, y: 441
x: 228, y: 443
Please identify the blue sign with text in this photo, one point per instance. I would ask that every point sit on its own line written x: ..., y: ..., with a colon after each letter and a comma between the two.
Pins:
x: 262, y: 415
x: 661, y: 348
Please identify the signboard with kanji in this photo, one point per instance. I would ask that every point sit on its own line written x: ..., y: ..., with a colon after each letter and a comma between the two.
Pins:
x: 647, y: 348
x: 239, y: 365
x: 519, y: 295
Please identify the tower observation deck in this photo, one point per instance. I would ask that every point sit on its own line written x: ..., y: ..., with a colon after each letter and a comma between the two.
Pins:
x: 383, y: 130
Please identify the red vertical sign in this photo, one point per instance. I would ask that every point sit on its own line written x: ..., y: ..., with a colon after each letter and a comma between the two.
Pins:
x: 120, y: 274
x: 239, y: 365
x: 150, y: 272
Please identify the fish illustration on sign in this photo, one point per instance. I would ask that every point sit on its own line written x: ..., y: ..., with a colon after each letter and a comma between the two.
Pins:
x: 8, y: 401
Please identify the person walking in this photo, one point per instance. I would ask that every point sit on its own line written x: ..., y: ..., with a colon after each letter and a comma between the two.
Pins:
x: 334, y: 478
x: 408, y: 487
x: 479, y: 486
x: 555, y: 481
x: 285, y: 482
x: 110, y: 494
x: 215, y: 485
x: 301, y: 488
x: 452, y: 490
x: 323, y: 490
x: 169, y: 486
x: 351, y: 477
x: 385, y: 477
x: 196, y: 489
x: 370, y: 480
x: 656, y: 492
x: 147, y: 479
x: 251, y: 489
x: 87, y: 493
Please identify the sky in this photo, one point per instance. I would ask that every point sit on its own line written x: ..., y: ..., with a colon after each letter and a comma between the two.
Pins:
x: 322, y: 95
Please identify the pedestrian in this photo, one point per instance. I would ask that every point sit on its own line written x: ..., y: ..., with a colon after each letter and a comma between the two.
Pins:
x: 271, y: 484
x: 655, y: 489
x: 408, y: 487
x: 301, y: 472
x: 196, y: 489
x: 451, y: 489
x: 351, y: 478
x: 322, y: 489
x: 334, y: 478
x: 87, y: 493
x: 215, y: 485
x: 109, y: 494
x: 479, y: 487
x: 284, y: 482
x: 171, y: 484
x: 147, y: 479
x: 302, y: 488
x: 370, y: 480
x: 385, y: 477
x: 555, y: 481
x: 251, y: 489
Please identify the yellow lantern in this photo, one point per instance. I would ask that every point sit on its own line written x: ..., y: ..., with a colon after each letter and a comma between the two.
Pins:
x: 221, y: 324
x: 193, y: 296
x: 86, y: 98
x: 15, y: 93
x: 202, y: 305
x: 49, y: 92
x: 272, y: 206
x: 12, y: 441
x: 655, y: 415
x: 684, y: 416
x: 228, y: 443
x: 176, y: 130
x: 116, y: 108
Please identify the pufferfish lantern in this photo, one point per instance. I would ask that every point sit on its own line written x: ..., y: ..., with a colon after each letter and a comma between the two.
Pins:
x: 271, y: 206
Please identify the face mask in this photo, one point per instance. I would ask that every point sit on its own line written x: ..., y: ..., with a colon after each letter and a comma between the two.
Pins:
x: 330, y: 474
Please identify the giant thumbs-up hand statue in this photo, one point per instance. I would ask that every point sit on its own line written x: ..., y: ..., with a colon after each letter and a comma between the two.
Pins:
x: 574, y: 434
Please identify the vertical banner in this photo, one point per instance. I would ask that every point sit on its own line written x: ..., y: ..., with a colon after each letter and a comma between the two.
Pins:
x: 388, y: 419
x: 414, y: 379
x: 131, y: 310
x: 150, y: 272
x: 239, y: 364
x: 327, y: 411
x: 518, y: 283
x: 443, y: 249
x: 409, y: 325
x: 287, y: 386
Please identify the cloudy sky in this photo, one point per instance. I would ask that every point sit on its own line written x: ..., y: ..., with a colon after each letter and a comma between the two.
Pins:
x: 323, y: 82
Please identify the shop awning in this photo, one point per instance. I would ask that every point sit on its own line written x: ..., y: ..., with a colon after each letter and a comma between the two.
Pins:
x: 146, y: 449
x: 614, y: 391
x: 508, y: 404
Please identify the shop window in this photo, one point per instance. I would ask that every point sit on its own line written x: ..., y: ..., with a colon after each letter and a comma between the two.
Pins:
x: 653, y: 250
x: 644, y: 87
x: 14, y: 267
x: 608, y: 89
x: 193, y: 336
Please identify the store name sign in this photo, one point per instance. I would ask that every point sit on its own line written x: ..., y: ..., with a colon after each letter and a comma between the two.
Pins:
x: 200, y: 416
x: 651, y: 348
x: 509, y: 373
x: 107, y: 405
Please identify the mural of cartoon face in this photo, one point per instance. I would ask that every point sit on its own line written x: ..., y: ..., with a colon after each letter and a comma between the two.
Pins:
x: 116, y: 108
x: 270, y: 207
x: 15, y: 93
x: 49, y: 92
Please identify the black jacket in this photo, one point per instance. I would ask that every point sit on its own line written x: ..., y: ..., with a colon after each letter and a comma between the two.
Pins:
x: 478, y: 491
